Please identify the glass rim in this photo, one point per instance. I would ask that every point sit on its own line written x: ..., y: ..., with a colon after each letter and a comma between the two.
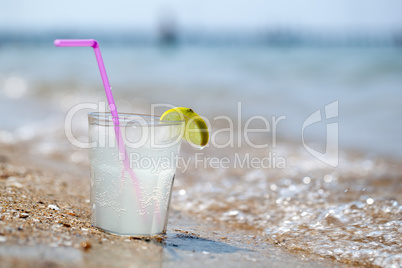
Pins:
x: 130, y: 117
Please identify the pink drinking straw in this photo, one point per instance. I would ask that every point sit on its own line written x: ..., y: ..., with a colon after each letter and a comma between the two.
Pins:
x: 112, y: 106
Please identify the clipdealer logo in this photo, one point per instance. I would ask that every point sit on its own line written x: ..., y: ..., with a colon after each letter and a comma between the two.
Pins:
x: 232, y: 136
x: 331, y: 154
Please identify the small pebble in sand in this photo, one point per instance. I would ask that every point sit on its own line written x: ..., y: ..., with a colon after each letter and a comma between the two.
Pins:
x: 54, y: 207
x: 15, y: 184
x: 24, y: 215
x: 86, y: 245
x: 65, y: 224
x: 3, y: 239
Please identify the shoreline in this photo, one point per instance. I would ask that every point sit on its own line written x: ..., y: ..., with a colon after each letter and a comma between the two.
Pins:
x: 45, y: 222
x: 260, y: 201
x: 246, y: 210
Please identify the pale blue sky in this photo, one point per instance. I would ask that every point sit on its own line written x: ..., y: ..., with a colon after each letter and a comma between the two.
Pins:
x: 203, y: 14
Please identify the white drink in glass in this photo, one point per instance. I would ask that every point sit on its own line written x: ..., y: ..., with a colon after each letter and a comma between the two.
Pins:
x: 132, y: 205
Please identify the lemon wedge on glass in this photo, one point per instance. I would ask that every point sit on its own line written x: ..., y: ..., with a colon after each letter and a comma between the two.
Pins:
x: 196, y: 130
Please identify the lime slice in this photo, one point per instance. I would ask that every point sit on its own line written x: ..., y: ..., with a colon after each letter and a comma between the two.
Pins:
x: 196, y: 130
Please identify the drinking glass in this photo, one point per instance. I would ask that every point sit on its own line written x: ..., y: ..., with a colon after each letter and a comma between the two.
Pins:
x: 131, y: 188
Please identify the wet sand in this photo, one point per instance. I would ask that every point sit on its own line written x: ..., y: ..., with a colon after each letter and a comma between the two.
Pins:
x: 44, y: 222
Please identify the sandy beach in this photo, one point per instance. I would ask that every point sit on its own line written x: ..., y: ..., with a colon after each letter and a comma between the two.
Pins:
x: 44, y: 222
x: 263, y: 200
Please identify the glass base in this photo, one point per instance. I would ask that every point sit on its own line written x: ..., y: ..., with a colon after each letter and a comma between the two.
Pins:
x: 139, y: 236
